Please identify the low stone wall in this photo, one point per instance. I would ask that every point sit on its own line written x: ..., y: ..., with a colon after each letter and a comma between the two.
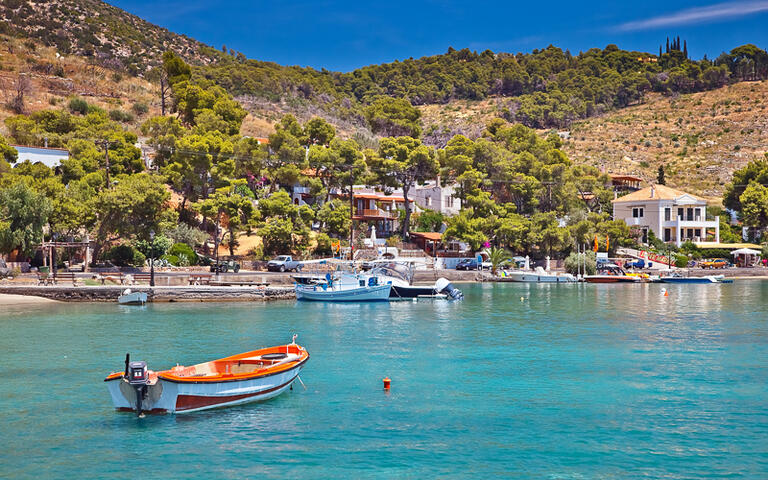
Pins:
x: 157, y: 294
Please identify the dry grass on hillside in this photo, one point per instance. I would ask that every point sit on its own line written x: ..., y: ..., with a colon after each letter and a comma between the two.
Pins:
x: 53, y: 79
x: 700, y: 138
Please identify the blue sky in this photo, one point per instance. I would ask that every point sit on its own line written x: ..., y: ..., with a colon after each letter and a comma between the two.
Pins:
x: 344, y: 35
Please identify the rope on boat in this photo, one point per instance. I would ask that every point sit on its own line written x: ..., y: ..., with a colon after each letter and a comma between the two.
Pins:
x: 302, y: 383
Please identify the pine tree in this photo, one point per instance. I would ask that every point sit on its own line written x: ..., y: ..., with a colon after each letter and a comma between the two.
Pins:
x: 667, y: 44
x: 660, y: 176
x: 685, y: 49
x: 659, y: 51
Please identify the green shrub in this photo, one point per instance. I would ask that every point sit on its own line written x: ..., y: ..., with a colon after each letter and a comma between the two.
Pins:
x: 172, y: 259
x: 185, y: 252
x: 78, y: 105
x: 572, y: 263
x: 323, y: 244
x: 121, y: 116
x: 681, y: 261
x: 140, y: 108
x: 126, y: 256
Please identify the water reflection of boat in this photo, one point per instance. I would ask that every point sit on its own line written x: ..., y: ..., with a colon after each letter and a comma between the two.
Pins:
x: 611, y: 273
x: 247, y: 377
x: 344, y: 288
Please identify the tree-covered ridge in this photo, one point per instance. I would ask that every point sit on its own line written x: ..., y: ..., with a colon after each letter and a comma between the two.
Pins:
x: 546, y: 88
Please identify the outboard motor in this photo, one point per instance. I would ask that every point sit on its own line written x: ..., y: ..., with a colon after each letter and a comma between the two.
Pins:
x: 137, y: 376
x: 442, y: 285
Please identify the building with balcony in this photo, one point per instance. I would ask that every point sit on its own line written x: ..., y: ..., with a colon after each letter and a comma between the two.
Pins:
x: 672, y: 215
x: 434, y: 196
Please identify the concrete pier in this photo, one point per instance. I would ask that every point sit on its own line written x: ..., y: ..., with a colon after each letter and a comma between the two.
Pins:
x: 109, y: 293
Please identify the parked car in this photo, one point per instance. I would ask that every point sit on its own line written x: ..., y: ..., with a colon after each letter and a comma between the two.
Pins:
x: 283, y: 263
x: 224, y: 266
x: 469, y: 264
x: 638, y: 264
x: 5, y: 270
x: 715, y: 263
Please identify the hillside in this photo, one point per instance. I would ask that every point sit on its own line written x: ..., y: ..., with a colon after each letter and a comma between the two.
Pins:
x: 51, y: 80
x: 700, y: 138
x: 91, y: 28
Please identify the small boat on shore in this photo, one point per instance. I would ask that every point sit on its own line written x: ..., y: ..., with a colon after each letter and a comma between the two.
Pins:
x: 247, y: 377
x: 132, y: 298
x: 345, y: 288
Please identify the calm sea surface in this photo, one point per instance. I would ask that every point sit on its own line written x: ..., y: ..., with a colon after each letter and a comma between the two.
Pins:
x: 524, y: 381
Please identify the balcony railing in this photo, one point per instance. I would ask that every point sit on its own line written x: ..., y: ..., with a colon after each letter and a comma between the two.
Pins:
x: 375, y: 212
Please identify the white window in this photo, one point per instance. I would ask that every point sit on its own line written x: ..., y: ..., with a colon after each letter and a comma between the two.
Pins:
x: 667, y: 214
x: 429, y: 201
x: 637, y: 212
x: 449, y: 201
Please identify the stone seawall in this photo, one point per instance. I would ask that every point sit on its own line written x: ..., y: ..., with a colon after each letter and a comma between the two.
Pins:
x: 156, y: 294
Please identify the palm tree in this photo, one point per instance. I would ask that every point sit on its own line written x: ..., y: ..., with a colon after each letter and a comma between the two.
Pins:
x: 498, y: 257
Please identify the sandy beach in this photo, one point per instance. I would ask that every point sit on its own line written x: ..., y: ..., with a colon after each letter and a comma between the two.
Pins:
x: 7, y: 299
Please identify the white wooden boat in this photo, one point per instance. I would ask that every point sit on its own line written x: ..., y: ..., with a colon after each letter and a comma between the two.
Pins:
x: 132, y: 298
x: 345, y: 287
x: 539, y: 275
x: 247, y: 377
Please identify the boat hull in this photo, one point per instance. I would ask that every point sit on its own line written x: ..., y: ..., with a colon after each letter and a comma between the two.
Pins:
x: 135, y: 298
x: 316, y: 293
x: 411, y: 292
x: 707, y: 279
x: 185, y: 397
x: 532, y: 277
x: 610, y: 279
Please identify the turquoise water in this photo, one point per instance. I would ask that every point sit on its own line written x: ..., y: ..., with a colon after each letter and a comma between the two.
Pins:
x: 526, y: 381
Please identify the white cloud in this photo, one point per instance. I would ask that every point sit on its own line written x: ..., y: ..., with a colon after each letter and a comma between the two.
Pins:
x: 709, y: 13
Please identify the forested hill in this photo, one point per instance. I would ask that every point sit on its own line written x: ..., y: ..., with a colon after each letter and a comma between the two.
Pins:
x: 92, y: 28
x: 545, y: 88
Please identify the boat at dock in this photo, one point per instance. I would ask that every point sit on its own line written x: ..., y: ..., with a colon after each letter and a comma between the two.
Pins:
x: 247, y: 377
x: 611, y: 273
x: 539, y: 275
x: 344, y: 288
x: 132, y: 298
x: 679, y: 278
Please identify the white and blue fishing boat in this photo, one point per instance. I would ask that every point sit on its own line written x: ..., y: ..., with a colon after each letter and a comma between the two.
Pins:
x: 348, y: 287
x: 677, y: 278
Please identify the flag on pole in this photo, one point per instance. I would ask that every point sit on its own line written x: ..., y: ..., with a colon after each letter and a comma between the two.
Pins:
x: 595, y: 247
x: 607, y: 243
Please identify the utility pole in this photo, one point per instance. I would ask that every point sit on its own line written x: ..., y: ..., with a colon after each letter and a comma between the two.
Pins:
x: 105, y: 144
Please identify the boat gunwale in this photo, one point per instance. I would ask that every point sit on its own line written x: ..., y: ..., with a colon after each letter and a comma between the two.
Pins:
x: 225, y: 378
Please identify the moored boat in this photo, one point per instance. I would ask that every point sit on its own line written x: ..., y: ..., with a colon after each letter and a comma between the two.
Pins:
x: 539, y: 275
x: 247, y: 377
x: 132, y: 298
x: 345, y: 288
x: 677, y: 278
x: 611, y: 273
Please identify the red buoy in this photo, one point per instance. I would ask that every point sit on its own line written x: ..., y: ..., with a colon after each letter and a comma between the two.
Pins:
x: 386, y: 383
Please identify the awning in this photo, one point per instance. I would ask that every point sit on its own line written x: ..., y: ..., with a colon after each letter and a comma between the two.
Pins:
x: 431, y: 236
x: 727, y: 246
x: 745, y: 251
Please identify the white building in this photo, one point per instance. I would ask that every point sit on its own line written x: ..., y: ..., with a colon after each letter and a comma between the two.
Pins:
x: 50, y: 157
x: 672, y: 215
x: 433, y: 196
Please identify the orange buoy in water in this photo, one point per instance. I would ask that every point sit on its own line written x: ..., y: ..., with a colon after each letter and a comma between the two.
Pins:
x: 666, y: 293
x: 386, y: 383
